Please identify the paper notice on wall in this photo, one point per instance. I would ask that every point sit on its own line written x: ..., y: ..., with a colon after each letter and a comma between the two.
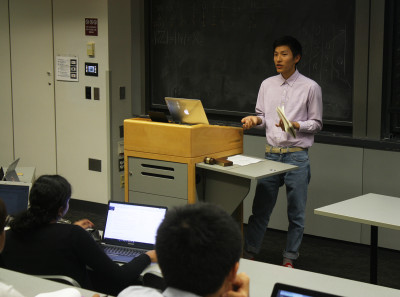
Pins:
x: 67, y: 68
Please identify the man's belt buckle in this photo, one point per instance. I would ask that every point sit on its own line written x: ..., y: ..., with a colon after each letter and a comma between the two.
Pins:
x: 283, y: 150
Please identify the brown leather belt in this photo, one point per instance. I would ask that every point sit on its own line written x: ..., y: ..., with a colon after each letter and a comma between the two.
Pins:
x: 283, y: 150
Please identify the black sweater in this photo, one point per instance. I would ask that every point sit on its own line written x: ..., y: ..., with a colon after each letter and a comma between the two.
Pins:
x: 66, y: 250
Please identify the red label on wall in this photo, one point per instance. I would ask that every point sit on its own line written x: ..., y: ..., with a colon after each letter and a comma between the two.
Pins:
x: 91, y: 27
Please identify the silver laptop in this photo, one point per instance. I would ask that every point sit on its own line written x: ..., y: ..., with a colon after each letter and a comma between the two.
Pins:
x: 130, y: 229
x: 186, y: 111
x: 11, y: 174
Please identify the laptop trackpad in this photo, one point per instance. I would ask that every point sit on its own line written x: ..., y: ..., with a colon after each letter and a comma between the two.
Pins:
x: 120, y: 258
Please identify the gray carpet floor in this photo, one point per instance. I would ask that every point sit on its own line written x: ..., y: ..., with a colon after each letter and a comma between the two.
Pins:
x: 321, y: 255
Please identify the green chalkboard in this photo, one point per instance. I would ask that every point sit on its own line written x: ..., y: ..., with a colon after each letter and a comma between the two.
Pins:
x: 221, y: 51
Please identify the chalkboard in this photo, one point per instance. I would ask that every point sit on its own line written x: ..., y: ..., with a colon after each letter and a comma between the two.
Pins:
x: 221, y: 51
x: 395, y: 92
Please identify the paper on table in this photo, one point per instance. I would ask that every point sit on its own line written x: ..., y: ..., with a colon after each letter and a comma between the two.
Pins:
x: 243, y: 160
x: 288, y: 125
x: 67, y: 292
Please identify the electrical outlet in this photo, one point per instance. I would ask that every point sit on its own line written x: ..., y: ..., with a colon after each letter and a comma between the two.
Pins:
x: 122, y: 180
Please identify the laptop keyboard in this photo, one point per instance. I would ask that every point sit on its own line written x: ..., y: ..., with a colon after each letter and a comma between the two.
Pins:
x: 122, y: 251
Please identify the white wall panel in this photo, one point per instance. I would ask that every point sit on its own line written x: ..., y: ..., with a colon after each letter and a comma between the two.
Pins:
x: 335, y: 176
x: 381, y: 175
x: 83, y: 125
x: 6, y: 127
x: 119, y: 17
x: 32, y: 84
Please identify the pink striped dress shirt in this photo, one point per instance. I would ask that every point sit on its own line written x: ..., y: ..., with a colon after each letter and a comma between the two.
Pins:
x: 301, y: 98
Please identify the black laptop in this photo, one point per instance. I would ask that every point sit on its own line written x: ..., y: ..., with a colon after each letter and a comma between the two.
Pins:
x: 130, y: 229
x: 283, y: 290
x: 158, y: 116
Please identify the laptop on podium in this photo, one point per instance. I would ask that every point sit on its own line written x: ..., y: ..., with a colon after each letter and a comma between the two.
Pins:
x: 130, y: 229
x: 186, y: 111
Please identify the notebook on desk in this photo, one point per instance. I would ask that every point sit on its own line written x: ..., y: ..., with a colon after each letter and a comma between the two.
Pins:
x: 283, y: 290
x: 130, y: 229
x: 186, y: 111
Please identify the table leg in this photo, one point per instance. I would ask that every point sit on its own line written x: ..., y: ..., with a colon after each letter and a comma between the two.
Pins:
x: 374, y: 255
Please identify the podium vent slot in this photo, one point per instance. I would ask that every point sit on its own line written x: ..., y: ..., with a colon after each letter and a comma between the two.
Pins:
x: 158, y: 167
x: 157, y: 175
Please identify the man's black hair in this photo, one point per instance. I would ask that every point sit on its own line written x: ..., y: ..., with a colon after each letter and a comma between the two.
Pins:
x: 291, y: 42
x: 197, y: 246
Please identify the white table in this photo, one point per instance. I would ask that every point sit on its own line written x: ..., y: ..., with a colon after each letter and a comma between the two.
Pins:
x: 371, y: 209
x: 229, y: 186
x: 30, y: 286
x: 26, y: 174
x: 263, y: 277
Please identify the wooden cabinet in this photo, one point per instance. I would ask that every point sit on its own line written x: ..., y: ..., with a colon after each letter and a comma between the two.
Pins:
x: 161, y: 158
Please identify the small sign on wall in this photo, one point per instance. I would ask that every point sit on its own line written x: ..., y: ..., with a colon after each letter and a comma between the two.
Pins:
x: 67, y: 68
x: 91, y: 27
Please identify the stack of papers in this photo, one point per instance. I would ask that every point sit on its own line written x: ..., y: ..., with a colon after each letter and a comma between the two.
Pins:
x: 243, y: 160
x: 286, y: 123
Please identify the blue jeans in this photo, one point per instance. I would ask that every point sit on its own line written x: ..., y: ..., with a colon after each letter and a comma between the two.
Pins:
x: 296, y: 182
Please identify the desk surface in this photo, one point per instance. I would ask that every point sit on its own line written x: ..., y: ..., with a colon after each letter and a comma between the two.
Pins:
x: 257, y: 170
x: 30, y: 286
x: 370, y: 209
x: 263, y: 276
x: 26, y: 174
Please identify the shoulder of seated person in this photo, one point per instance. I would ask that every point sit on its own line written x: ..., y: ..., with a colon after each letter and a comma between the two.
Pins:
x: 140, y: 291
x: 68, y: 227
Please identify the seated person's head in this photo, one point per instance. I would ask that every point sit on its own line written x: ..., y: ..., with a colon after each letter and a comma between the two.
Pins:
x: 48, y: 202
x: 198, y: 248
x: 3, y: 216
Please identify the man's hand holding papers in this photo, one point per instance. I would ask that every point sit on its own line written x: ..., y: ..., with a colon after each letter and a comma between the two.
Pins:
x: 287, y: 125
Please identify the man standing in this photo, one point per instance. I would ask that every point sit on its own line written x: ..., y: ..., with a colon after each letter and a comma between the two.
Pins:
x: 301, y: 98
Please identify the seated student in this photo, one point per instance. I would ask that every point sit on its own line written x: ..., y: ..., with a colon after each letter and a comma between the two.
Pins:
x: 198, y: 248
x: 37, y: 245
x: 5, y: 290
x: 8, y: 290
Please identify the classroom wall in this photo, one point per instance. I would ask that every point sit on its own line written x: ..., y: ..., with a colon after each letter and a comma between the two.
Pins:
x: 338, y: 173
x: 88, y: 129
x: 120, y: 47
x: 95, y: 131
x: 82, y: 124
x: 31, y: 54
x: 49, y: 123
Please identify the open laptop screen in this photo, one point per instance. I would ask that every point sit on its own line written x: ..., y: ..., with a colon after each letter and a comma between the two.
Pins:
x: 283, y: 290
x: 132, y: 224
x: 15, y: 196
x: 186, y: 111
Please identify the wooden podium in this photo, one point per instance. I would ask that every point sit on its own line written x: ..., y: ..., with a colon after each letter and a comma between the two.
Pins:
x: 162, y: 145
